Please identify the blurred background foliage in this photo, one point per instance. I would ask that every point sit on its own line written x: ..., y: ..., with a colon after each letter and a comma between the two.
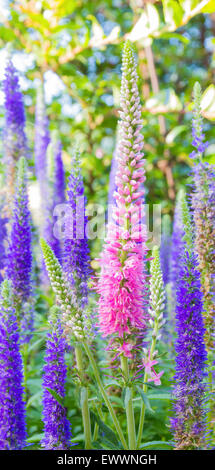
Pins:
x: 75, y: 47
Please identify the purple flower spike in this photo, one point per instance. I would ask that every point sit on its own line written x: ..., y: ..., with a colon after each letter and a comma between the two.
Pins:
x: 56, y: 424
x: 176, y: 247
x: 59, y: 174
x: 189, y: 426
x: 55, y: 192
x: 76, y: 250
x: 19, y: 258
x: 165, y: 248
x: 12, y: 410
x: 15, y: 142
x: 42, y: 140
x: 203, y: 205
x: 3, y: 234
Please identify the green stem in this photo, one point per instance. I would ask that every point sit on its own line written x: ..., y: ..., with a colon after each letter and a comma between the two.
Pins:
x: 145, y: 388
x: 129, y: 406
x: 84, y: 399
x: 104, y: 394
x: 25, y: 368
x: 142, y: 415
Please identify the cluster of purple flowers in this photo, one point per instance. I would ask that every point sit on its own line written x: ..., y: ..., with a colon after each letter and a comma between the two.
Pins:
x: 189, y: 422
x: 12, y: 409
x: 56, y: 425
x: 19, y: 256
x: 76, y: 250
x: 55, y: 195
x: 203, y: 205
x: 15, y: 142
x: 42, y: 140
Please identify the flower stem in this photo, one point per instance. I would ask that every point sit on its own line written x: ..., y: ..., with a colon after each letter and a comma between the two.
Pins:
x: 84, y: 398
x: 145, y: 388
x: 105, y: 396
x: 129, y: 406
x: 142, y: 415
x: 25, y: 366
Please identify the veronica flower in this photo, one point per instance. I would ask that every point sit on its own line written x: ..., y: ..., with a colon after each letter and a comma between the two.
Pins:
x: 165, y: 249
x: 19, y: 256
x: 42, y: 140
x: 203, y: 205
x: 76, y: 250
x: 55, y: 193
x: 59, y: 174
x: 15, y: 142
x: 176, y: 246
x: 121, y: 285
x: 189, y: 422
x: 56, y: 425
x: 12, y: 410
x: 3, y: 235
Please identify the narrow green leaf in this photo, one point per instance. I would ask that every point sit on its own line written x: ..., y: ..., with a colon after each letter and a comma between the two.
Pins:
x: 33, y: 399
x: 35, y: 438
x: 151, y: 444
x: 109, y: 434
x: 57, y: 397
x: 145, y: 399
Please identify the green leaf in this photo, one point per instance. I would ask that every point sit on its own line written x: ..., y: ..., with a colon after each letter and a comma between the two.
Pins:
x: 109, y: 434
x: 145, y: 399
x: 106, y: 444
x: 151, y: 444
x: 34, y: 399
x: 172, y: 35
x: 209, y: 8
x: 36, y: 438
x: 173, y: 13
x: 57, y: 397
x: 208, y: 102
x: 161, y: 396
x: 163, y: 102
x: 174, y: 133
x: 153, y: 17
x: 140, y: 30
x: 35, y: 345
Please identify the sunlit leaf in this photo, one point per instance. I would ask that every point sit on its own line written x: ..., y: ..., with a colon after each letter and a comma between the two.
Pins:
x: 208, y: 102
x: 163, y: 102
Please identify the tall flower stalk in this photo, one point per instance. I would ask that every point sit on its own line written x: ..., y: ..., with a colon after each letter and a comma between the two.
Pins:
x: 57, y: 433
x: 176, y: 246
x: 42, y: 140
x: 76, y: 251
x: 19, y: 256
x: 15, y: 142
x: 121, y: 286
x: 189, y: 422
x: 165, y: 249
x: 156, y: 311
x: 12, y: 409
x: 3, y: 236
x: 55, y: 193
x: 203, y: 205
